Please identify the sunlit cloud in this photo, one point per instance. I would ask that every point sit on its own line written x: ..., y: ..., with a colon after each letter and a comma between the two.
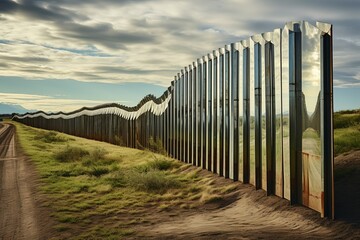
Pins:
x: 46, y: 103
x: 149, y: 41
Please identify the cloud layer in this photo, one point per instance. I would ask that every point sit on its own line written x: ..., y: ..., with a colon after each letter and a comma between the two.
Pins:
x: 151, y: 40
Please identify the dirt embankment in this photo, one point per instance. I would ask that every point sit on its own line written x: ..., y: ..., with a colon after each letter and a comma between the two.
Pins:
x: 257, y: 216
x: 22, y: 216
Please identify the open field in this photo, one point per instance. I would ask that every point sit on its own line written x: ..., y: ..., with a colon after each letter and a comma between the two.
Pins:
x: 346, y: 131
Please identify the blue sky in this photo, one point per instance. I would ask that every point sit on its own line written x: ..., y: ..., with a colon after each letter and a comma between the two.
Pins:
x: 64, y: 54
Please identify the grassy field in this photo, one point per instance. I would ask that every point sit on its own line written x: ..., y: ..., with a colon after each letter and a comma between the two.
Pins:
x: 346, y: 131
x: 98, y: 190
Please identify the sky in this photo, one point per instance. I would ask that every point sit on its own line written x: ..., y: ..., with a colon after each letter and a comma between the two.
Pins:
x: 60, y: 55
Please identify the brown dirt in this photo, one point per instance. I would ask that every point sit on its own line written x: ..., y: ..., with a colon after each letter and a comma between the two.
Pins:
x: 21, y: 214
x: 257, y: 216
x: 253, y: 216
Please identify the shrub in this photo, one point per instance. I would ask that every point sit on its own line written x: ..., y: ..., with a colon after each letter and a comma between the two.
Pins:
x: 156, y: 164
x: 152, y: 181
x: 98, y: 153
x: 97, y: 171
x: 70, y: 153
x: 50, y: 137
x: 161, y: 164
x: 346, y: 139
x: 346, y: 120
x: 97, y: 158
x: 117, y: 179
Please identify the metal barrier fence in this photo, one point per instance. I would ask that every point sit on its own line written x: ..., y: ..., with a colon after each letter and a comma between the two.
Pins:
x: 258, y: 111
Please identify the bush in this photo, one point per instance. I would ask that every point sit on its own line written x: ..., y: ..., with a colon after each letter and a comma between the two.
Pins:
x: 98, y: 154
x: 346, y: 120
x: 161, y: 164
x: 156, y: 164
x: 152, y: 181
x: 50, y: 137
x: 117, y: 179
x: 97, y: 171
x: 346, y: 139
x: 70, y: 153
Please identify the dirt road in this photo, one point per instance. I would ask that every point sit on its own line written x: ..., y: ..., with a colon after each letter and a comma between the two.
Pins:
x: 19, y: 213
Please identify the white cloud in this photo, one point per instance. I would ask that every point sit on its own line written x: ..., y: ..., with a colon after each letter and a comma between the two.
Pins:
x: 147, y: 41
x: 46, y: 103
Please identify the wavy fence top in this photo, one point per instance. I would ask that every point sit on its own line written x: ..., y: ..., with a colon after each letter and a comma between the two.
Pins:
x: 148, y: 104
x: 158, y: 105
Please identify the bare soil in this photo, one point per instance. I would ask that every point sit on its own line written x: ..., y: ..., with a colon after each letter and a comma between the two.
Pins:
x: 257, y: 216
x: 253, y: 216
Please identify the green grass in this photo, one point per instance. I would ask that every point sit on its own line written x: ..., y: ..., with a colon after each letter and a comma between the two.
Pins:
x: 50, y: 137
x: 70, y: 153
x: 346, y: 131
x: 88, y: 184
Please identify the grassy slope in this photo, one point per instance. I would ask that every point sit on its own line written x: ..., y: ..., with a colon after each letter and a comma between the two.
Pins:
x: 346, y: 131
x: 98, y: 190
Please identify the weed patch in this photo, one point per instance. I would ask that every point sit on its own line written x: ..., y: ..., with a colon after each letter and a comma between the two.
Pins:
x: 97, y: 171
x: 50, y: 137
x: 70, y: 153
x: 152, y: 181
x: 161, y: 164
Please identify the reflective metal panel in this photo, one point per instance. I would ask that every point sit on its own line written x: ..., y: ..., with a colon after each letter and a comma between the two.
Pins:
x: 296, y: 109
x: 258, y: 118
x: 234, y: 113
x: 240, y: 112
x: 252, y: 112
x: 246, y: 113
x: 278, y: 143
x: 311, y: 142
x: 285, y: 111
x: 191, y: 115
x: 227, y: 115
x: 203, y: 113
x: 196, y: 115
x: 263, y: 120
x: 327, y: 129
x: 216, y: 113
x: 200, y: 124
x: 182, y: 117
x: 209, y: 114
x: 221, y: 111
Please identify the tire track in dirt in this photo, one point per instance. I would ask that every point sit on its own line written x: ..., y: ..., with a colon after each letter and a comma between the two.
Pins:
x: 17, y: 204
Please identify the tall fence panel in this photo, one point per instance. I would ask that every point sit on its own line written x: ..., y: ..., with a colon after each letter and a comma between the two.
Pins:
x: 258, y: 111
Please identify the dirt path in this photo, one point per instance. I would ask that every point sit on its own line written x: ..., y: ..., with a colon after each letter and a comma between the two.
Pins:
x: 19, y: 213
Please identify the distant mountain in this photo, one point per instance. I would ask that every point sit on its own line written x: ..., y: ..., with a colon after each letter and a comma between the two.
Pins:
x: 9, y: 108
